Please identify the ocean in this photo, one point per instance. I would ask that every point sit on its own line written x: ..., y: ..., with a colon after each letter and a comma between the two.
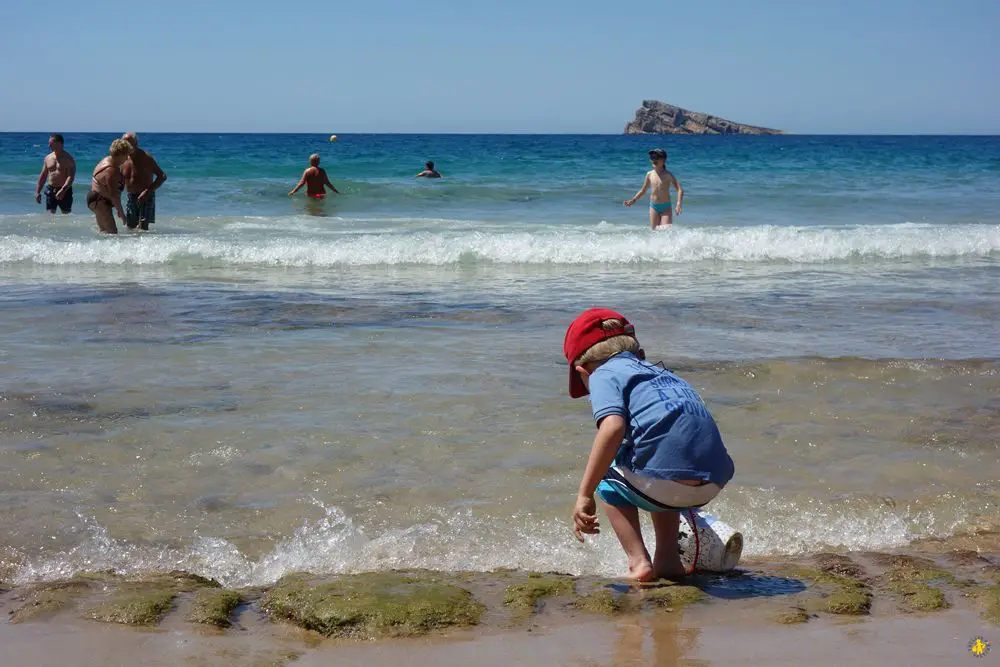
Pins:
x: 263, y: 384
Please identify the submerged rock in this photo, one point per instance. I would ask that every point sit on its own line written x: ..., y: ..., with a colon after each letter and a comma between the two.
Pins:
x: 792, y: 616
x: 373, y: 605
x: 43, y: 599
x: 603, y: 602
x: 841, y: 595
x: 992, y: 599
x: 213, y: 607
x: 134, y: 605
x: 655, y: 117
x: 524, y: 597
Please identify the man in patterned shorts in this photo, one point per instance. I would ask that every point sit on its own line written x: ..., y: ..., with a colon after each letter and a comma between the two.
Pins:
x: 142, y: 179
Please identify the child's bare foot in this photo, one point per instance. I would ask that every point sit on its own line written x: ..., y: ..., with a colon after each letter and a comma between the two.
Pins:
x: 669, y: 568
x: 670, y: 574
x: 641, y: 571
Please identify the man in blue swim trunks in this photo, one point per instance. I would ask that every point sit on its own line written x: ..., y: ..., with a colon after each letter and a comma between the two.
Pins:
x: 658, y: 182
x: 657, y: 447
x: 59, y: 171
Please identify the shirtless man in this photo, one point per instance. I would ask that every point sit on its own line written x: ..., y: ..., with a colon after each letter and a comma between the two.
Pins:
x: 143, y: 177
x: 429, y: 171
x: 658, y: 182
x: 59, y: 169
x: 314, y: 178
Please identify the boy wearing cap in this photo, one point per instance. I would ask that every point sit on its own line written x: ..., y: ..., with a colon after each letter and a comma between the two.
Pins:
x: 658, y: 182
x: 657, y: 447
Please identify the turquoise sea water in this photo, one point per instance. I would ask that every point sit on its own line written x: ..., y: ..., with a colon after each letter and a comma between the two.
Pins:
x: 265, y: 384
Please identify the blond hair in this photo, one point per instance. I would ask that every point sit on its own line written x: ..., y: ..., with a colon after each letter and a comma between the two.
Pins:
x: 120, y: 147
x: 609, y: 347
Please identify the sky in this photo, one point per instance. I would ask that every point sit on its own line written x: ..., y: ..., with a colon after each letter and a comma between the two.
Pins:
x: 544, y: 66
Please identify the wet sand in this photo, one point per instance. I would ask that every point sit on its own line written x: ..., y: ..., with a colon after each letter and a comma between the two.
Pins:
x: 686, y: 639
x: 919, y: 607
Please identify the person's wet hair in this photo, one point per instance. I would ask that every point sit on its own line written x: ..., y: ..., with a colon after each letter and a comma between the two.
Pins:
x: 429, y: 165
x: 58, y: 137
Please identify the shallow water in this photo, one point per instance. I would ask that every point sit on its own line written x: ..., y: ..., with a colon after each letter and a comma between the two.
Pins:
x: 248, y: 396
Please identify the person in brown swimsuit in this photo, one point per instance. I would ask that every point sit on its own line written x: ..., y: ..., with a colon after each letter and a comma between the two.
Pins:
x: 105, y: 187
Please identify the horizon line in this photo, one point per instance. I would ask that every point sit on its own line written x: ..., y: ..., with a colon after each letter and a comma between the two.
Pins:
x: 514, y: 134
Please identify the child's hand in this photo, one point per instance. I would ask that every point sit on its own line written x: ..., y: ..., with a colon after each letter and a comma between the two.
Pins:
x: 585, y: 517
x: 628, y: 202
x: 678, y: 208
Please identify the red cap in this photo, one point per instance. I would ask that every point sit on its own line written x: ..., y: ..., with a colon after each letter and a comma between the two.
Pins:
x: 583, y: 334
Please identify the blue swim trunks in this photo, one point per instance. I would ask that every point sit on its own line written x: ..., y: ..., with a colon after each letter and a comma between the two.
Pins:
x: 65, y: 204
x: 621, y: 488
x: 660, y: 208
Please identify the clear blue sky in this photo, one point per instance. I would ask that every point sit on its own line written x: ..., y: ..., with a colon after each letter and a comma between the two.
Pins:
x: 843, y: 66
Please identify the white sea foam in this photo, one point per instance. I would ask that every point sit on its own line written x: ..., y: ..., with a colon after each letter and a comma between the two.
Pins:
x: 334, y: 543
x: 766, y: 243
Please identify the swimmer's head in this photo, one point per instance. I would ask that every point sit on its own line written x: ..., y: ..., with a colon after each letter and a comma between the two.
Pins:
x: 56, y: 141
x: 429, y: 165
x: 120, y: 150
x: 132, y: 138
x: 657, y: 154
x: 314, y: 159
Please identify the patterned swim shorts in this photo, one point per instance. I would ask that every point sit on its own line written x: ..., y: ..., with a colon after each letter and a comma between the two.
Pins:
x: 137, y: 212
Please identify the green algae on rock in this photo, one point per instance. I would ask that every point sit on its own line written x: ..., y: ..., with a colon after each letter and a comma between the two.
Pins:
x: 844, y: 595
x: 838, y: 564
x: 911, y: 568
x: 919, y: 596
x: 372, y: 605
x: 134, y: 605
x: 602, y: 602
x: 524, y: 597
x: 213, y: 607
x: 991, y: 597
x: 671, y: 595
x: 792, y: 616
x: 47, y: 599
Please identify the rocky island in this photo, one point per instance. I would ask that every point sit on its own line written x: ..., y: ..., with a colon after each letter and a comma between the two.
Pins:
x: 655, y: 117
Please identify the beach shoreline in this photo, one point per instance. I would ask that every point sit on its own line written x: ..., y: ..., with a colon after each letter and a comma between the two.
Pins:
x: 922, y: 605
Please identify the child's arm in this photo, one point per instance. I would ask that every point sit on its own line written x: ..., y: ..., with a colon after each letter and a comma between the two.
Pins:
x: 645, y: 186
x: 609, y: 437
x: 680, y: 194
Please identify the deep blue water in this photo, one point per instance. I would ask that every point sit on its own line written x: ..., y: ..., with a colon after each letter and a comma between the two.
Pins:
x: 557, y: 179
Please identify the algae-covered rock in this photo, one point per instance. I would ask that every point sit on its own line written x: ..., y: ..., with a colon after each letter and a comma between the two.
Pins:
x: 792, y: 616
x: 182, y: 581
x: 838, y: 564
x: 991, y: 597
x: 213, y: 607
x: 134, y: 605
x: 524, y: 597
x: 602, y: 602
x: 919, y: 596
x: 373, y: 605
x: 672, y: 595
x: 843, y: 595
x: 967, y: 557
x: 248, y: 657
x: 910, y: 568
x: 46, y: 599
x: 851, y: 600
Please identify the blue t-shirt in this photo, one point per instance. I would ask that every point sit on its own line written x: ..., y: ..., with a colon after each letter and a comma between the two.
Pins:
x: 669, y: 432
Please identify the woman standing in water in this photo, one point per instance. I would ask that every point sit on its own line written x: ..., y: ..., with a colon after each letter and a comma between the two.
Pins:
x: 105, y: 187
